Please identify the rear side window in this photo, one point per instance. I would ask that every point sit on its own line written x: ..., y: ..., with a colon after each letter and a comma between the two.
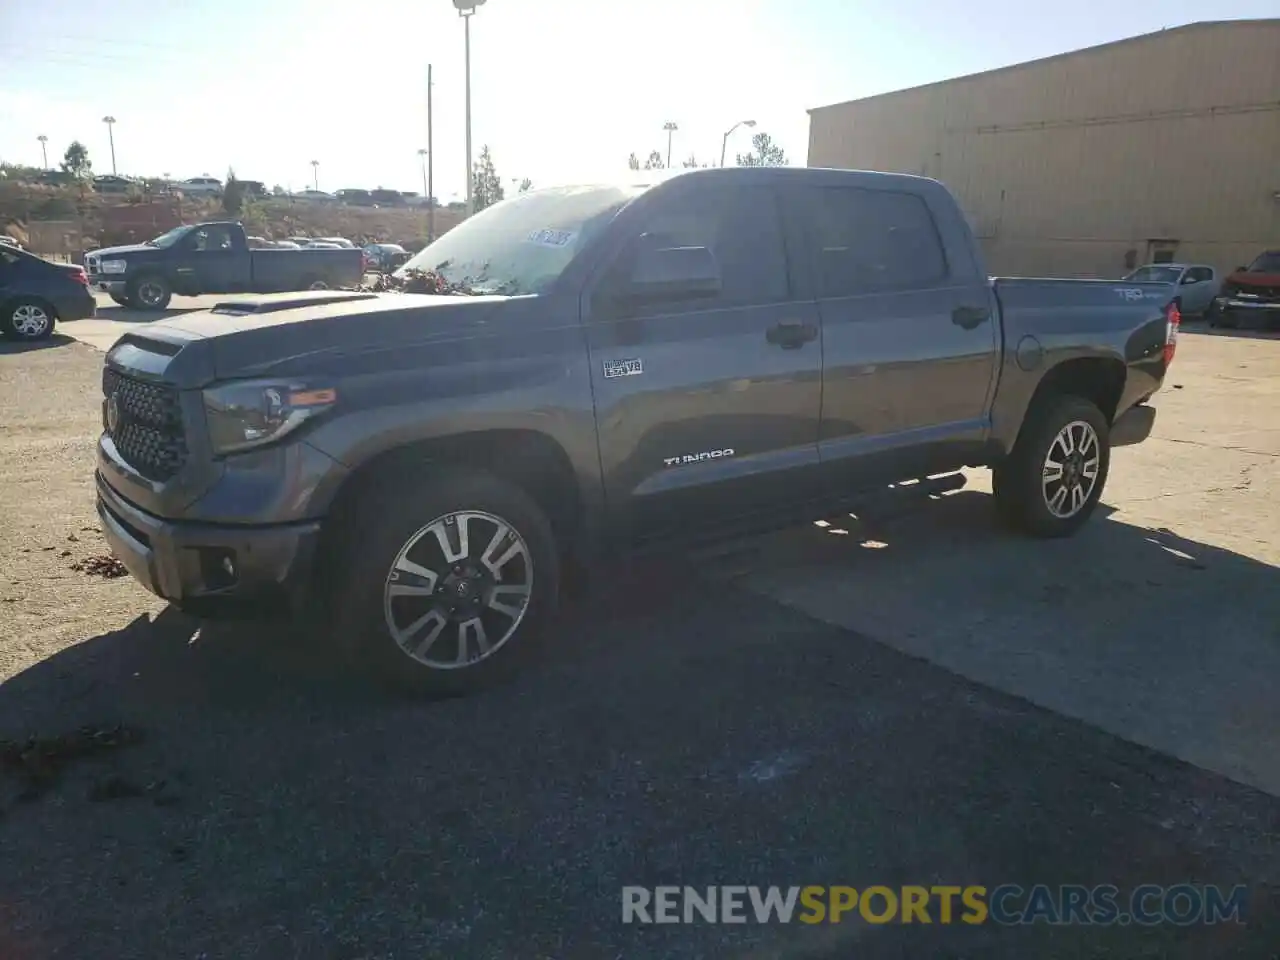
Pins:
x: 865, y: 241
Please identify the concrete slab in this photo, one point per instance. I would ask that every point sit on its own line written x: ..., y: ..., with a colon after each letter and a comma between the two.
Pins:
x: 1159, y: 623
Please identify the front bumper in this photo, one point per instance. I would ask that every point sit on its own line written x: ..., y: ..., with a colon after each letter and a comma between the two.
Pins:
x: 209, y: 563
x: 1133, y: 426
x: 114, y: 287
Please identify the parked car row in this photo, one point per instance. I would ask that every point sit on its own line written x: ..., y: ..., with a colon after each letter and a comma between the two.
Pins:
x: 1248, y: 294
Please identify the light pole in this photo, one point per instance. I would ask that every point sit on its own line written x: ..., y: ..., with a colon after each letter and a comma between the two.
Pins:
x: 728, y: 133
x: 44, y: 151
x: 423, y: 155
x: 110, y: 121
x: 671, y: 128
x: 465, y: 9
x: 315, y: 174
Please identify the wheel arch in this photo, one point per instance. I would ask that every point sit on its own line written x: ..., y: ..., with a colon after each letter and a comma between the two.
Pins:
x: 527, y: 458
x: 1098, y: 379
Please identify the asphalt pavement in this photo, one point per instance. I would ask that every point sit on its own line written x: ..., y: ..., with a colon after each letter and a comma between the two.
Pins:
x: 238, y: 795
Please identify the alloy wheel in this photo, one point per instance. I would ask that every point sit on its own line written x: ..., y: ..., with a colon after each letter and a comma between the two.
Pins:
x: 31, y: 321
x: 458, y: 589
x: 1070, y: 470
x: 150, y: 292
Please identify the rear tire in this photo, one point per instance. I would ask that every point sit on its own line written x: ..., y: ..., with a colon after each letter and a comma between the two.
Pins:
x: 1066, y: 434
x: 434, y: 620
x: 315, y: 283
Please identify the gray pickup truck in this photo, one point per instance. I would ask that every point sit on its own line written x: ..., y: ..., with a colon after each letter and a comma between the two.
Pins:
x: 213, y: 257
x: 606, y: 368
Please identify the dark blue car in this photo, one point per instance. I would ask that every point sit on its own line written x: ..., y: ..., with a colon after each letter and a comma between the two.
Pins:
x: 35, y: 293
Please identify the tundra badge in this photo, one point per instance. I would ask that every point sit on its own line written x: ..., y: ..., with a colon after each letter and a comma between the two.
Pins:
x: 623, y: 368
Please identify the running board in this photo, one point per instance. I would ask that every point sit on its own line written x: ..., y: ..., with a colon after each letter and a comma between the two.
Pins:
x: 872, y: 504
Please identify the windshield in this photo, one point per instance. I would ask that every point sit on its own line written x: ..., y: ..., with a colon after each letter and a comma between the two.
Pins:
x: 521, y: 245
x: 1268, y: 262
x: 169, y: 239
x: 1155, y: 275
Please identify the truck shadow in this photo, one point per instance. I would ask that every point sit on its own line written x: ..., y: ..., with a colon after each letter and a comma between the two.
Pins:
x: 676, y: 715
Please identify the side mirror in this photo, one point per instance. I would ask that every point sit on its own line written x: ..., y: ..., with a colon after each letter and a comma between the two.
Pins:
x: 672, y: 274
x: 1241, y: 269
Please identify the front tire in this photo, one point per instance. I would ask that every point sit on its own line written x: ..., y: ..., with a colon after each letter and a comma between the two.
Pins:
x: 1051, y: 482
x: 446, y: 581
x: 150, y: 293
x: 28, y: 320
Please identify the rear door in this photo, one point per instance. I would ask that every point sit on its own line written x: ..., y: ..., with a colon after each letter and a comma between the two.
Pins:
x: 910, y: 332
x: 706, y: 409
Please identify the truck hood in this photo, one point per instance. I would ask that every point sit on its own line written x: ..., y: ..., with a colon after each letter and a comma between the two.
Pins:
x: 295, y: 334
x: 1246, y: 280
x: 124, y: 250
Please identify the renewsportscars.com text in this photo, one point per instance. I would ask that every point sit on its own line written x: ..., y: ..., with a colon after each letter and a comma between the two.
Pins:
x: 1008, y: 904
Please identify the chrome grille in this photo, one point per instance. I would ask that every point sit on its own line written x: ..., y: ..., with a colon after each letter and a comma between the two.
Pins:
x: 147, y: 427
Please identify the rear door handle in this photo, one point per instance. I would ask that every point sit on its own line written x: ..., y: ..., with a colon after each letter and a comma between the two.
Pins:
x: 790, y: 334
x: 969, y: 317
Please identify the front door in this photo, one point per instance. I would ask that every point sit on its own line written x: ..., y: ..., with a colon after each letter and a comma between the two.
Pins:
x: 910, y: 334
x: 209, y: 262
x: 1197, y: 289
x: 706, y: 409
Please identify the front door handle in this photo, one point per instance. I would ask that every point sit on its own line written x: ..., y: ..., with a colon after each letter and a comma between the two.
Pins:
x: 969, y: 317
x: 790, y: 334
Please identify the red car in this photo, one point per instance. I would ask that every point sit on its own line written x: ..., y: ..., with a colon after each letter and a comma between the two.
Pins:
x: 1252, y: 292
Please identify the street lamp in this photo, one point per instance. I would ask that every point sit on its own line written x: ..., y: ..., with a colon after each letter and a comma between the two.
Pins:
x: 110, y: 121
x: 465, y: 9
x: 44, y: 152
x: 728, y: 133
x: 315, y: 174
x: 671, y: 128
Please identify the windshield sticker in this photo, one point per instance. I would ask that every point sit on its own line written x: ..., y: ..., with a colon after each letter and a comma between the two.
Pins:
x: 552, y: 238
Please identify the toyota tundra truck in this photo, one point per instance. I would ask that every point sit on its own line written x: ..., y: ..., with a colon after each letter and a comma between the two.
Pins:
x: 597, y: 370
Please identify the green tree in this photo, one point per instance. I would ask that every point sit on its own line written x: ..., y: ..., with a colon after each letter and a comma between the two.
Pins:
x: 692, y: 163
x: 486, y: 186
x: 633, y: 162
x: 233, y: 195
x: 76, y: 161
x: 654, y: 162
x: 525, y: 185
x: 764, y: 153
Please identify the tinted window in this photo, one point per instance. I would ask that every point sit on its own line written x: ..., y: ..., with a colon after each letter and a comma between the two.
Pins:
x: 743, y: 233
x: 868, y: 240
x: 1199, y: 274
x: 212, y: 238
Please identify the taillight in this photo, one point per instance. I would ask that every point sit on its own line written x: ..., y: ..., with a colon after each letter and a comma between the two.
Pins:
x: 79, y: 276
x: 1173, y: 320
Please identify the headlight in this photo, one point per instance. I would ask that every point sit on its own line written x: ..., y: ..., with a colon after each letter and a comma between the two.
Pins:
x: 255, y: 412
x: 114, y: 266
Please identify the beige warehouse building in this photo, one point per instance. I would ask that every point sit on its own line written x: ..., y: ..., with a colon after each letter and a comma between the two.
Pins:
x: 1160, y: 147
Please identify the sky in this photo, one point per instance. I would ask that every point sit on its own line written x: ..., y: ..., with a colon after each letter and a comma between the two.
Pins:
x: 562, y: 90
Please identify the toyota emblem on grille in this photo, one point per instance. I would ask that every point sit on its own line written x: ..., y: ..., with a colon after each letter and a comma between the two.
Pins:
x: 113, y: 411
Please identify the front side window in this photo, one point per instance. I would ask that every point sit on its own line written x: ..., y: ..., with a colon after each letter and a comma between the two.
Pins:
x: 211, y: 238
x: 1199, y: 275
x: 866, y: 241
x: 742, y: 231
